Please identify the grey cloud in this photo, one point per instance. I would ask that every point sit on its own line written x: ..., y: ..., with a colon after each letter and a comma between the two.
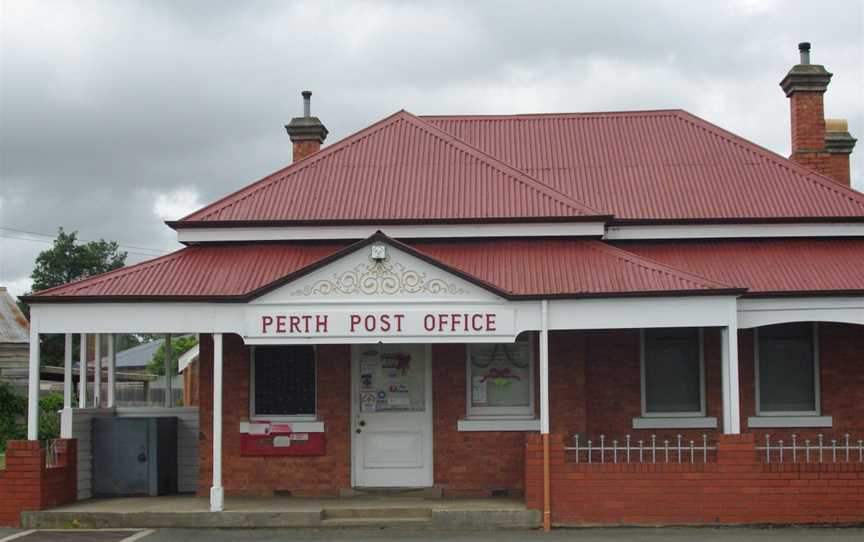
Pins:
x: 105, y: 104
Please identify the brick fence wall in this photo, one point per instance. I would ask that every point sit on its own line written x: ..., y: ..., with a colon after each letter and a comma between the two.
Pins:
x: 28, y: 484
x: 737, y: 489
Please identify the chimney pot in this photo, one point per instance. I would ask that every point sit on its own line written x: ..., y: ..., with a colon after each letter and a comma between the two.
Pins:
x: 804, y: 49
x: 307, y: 103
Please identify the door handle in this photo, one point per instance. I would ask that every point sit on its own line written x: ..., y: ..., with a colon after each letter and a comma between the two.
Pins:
x: 142, y: 457
x: 362, y: 423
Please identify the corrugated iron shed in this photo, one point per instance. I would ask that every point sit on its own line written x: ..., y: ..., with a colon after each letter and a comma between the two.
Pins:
x: 14, y: 327
x: 766, y: 266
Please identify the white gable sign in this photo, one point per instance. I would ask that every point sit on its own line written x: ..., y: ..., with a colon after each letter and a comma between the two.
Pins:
x: 379, y: 293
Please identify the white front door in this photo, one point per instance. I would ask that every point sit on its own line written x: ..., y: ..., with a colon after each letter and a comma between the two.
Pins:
x: 391, y: 398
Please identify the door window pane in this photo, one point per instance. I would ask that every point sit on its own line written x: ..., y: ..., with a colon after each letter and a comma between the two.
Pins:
x: 672, y: 371
x: 787, y: 377
x: 392, y: 378
x: 284, y: 380
x: 500, y: 375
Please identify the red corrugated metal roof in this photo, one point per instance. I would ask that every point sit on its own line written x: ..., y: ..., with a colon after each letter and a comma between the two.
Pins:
x: 399, y: 169
x: 509, y: 267
x: 655, y: 165
x: 766, y: 266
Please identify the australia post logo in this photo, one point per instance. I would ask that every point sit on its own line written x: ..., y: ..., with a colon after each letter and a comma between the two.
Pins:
x: 341, y: 323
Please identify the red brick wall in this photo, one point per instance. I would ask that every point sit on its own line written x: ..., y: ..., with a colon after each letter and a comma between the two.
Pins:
x: 261, y: 476
x: 737, y: 489
x: 468, y: 463
x: 26, y: 484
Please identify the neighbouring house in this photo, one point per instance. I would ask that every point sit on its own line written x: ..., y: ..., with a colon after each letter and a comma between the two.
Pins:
x: 621, y: 318
x: 14, y: 340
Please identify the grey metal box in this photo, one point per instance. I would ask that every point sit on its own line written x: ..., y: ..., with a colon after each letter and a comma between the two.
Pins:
x: 134, y: 456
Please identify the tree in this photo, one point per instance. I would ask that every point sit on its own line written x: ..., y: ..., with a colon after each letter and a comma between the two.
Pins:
x: 66, y: 261
x: 180, y: 345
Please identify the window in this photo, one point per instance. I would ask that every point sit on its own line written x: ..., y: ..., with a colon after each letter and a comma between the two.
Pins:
x: 283, y: 382
x: 673, y: 381
x: 501, y: 380
x: 787, y: 370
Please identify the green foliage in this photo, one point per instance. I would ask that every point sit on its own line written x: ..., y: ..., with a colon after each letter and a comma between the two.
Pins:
x: 13, y: 415
x: 179, y: 345
x: 13, y: 407
x: 68, y: 260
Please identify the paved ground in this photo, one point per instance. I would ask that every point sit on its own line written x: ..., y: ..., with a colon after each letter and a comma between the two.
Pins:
x: 576, y: 535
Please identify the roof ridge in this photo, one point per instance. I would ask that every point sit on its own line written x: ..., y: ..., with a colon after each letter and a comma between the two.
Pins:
x: 563, y: 114
x: 654, y: 265
x: 497, y: 162
x: 115, y: 273
x: 282, y: 173
x: 767, y: 154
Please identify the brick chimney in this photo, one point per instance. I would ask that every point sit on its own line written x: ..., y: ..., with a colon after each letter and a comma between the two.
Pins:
x: 813, y: 146
x: 306, y: 132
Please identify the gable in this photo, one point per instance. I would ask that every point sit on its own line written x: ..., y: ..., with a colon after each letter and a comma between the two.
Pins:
x: 356, y: 278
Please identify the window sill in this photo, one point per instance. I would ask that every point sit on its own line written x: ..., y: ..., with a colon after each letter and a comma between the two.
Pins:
x: 696, y: 422
x: 790, y: 421
x: 296, y: 427
x: 498, y: 425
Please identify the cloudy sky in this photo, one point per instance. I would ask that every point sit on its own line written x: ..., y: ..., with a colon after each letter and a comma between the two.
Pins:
x: 115, y: 116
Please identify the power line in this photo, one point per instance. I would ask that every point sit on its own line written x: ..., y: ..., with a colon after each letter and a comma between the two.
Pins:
x: 48, y: 242
x: 52, y: 237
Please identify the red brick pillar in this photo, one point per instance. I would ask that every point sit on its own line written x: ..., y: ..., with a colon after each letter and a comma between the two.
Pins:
x: 26, y: 483
x: 736, y: 450
x: 534, y: 467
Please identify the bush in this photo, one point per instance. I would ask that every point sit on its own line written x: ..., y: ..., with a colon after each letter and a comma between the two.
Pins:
x: 13, y: 415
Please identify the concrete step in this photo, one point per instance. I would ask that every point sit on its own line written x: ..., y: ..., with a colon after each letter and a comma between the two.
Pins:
x: 377, y: 513
x: 378, y: 523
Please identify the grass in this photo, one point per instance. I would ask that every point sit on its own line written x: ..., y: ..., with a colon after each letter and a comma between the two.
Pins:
x: 2, y: 461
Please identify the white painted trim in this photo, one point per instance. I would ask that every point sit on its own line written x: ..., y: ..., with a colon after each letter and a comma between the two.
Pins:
x: 97, y: 373
x: 292, y: 418
x: 505, y: 424
x: 733, y: 231
x: 217, y: 494
x: 817, y: 399
x: 524, y: 412
x: 701, y: 411
x: 168, y: 347
x: 789, y: 421
x: 730, y: 381
x: 779, y: 310
x: 411, y: 231
x: 691, y: 422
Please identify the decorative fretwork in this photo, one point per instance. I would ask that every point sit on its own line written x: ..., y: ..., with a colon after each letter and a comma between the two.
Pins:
x: 380, y: 278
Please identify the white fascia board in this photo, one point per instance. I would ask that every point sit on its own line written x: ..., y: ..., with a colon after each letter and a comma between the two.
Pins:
x: 403, y: 231
x: 732, y: 231
x: 153, y: 317
x: 755, y: 312
x: 641, y: 312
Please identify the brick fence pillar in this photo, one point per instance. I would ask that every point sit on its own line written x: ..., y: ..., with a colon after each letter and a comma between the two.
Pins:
x: 27, y: 484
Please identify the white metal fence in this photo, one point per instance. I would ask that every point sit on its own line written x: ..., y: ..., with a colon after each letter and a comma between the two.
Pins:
x: 651, y: 450
x: 820, y: 450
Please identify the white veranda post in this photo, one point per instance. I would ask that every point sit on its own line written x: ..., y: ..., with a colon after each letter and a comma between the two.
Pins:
x: 112, y: 365
x: 217, y: 495
x: 169, y: 391
x: 82, y: 373
x: 67, y: 372
x: 729, y: 375
x: 97, y: 373
x: 33, y: 384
